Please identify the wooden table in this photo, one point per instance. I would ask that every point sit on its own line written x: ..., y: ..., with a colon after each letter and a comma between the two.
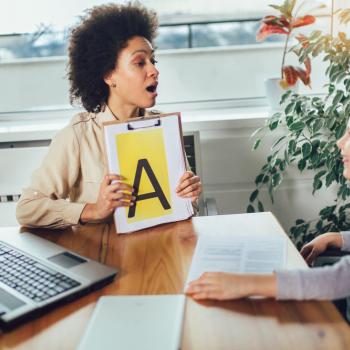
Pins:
x: 156, y: 261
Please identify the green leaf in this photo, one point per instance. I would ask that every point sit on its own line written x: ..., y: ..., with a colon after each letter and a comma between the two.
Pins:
x: 278, y: 141
x: 301, y: 164
x: 347, y: 84
x: 296, y: 126
x: 289, y: 108
x: 317, y: 125
x: 306, y: 150
x: 338, y: 96
x: 339, y: 131
x: 259, y: 179
x: 341, y: 76
x: 319, y: 225
x: 256, y: 132
x: 329, y: 179
x: 260, y: 206
x: 250, y: 209
x: 291, y: 146
x: 320, y: 174
x: 266, y: 179
x: 317, y: 184
x: 256, y: 144
x: 331, y: 122
x: 273, y: 125
x: 253, y: 196
x: 289, y: 120
x: 285, y: 96
x: 276, y: 180
x: 327, y: 211
x: 331, y: 89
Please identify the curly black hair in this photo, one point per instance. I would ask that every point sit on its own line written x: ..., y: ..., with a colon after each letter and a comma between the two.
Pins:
x: 95, y: 44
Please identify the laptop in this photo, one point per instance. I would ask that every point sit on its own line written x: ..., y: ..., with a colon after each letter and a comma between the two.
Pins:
x: 36, y: 275
x: 134, y: 322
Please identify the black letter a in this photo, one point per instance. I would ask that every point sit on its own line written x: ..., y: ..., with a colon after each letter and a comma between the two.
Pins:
x: 143, y: 164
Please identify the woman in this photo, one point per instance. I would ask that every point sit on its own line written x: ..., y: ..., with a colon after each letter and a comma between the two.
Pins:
x: 331, y: 282
x: 112, y: 73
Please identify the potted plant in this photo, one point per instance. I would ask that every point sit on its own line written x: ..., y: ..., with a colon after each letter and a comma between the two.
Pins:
x: 285, y: 23
x: 310, y: 129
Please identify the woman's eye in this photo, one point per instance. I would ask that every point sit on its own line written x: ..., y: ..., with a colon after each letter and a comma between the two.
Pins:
x: 140, y: 63
x: 154, y: 61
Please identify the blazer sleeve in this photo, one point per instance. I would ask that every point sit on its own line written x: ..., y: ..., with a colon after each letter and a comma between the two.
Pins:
x: 320, y: 283
x: 346, y: 240
x: 45, y: 203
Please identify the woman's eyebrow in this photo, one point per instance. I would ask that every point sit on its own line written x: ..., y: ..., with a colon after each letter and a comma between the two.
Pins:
x: 151, y: 52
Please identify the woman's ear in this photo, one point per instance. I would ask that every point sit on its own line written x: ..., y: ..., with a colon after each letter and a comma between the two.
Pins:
x: 109, y: 79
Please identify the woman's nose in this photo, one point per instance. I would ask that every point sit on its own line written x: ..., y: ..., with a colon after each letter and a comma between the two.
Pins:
x: 340, y: 142
x: 153, y: 71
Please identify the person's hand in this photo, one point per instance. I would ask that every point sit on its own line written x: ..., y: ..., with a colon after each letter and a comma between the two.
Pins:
x: 225, y: 286
x: 113, y: 194
x: 318, y: 245
x: 218, y: 286
x: 189, y: 186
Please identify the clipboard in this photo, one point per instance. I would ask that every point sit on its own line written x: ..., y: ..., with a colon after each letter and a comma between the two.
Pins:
x: 149, y: 153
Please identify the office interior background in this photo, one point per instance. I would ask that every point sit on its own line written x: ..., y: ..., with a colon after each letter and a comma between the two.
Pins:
x: 212, y: 70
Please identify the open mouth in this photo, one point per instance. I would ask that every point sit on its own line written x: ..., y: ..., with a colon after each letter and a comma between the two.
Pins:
x: 152, y: 88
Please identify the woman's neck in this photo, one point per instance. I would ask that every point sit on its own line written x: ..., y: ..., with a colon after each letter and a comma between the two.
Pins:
x: 123, y: 112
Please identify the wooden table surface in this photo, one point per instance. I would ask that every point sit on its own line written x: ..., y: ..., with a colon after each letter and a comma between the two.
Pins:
x: 156, y: 261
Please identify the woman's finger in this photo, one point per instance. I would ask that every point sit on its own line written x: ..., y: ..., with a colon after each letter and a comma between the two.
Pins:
x: 187, y: 174
x: 112, y: 205
x: 121, y: 196
x: 112, y: 177
x: 206, y: 295
x: 190, y: 188
x: 187, y: 182
x: 119, y: 186
x: 194, y: 194
x: 305, y: 251
x: 311, y: 257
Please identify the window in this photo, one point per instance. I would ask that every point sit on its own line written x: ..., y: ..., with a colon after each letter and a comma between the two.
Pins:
x: 184, y: 23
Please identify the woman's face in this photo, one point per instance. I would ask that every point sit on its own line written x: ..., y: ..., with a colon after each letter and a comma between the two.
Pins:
x: 344, y: 145
x: 135, y: 75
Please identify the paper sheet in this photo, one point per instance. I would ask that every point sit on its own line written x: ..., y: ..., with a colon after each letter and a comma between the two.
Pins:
x: 149, y: 153
x: 261, y: 253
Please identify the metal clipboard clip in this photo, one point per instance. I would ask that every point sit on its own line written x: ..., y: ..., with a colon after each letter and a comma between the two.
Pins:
x: 131, y: 127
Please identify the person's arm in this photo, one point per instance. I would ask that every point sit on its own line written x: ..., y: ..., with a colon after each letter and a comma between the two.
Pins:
x: 44, y: 203
x: 320, y: 283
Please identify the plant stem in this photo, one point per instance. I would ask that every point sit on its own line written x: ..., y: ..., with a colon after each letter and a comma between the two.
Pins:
x: 332, y: 12
x: 285, y: 51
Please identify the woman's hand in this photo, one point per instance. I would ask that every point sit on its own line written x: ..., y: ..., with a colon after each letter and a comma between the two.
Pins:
x: 190, y: 186
x: 113, y: 194
x: 224, y: 286
x: 318, y: 245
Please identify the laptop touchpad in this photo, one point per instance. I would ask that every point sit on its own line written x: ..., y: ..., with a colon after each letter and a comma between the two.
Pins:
x: 67, y: 260
x: 8, y: 302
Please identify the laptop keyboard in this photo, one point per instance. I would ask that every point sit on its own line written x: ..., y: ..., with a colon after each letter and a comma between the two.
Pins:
x: 31, y: 278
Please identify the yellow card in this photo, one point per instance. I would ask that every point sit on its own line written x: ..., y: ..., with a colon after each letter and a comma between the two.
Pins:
x: 143, y: 161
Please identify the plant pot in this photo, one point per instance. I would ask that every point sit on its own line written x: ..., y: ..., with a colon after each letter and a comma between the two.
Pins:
x: 274, y: 92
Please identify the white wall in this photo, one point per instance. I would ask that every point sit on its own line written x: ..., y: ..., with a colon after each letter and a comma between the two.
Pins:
x: 185, y: 75
x: 229, y: 166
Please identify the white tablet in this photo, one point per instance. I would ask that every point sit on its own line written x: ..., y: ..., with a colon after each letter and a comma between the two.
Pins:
x: 148, y: 322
